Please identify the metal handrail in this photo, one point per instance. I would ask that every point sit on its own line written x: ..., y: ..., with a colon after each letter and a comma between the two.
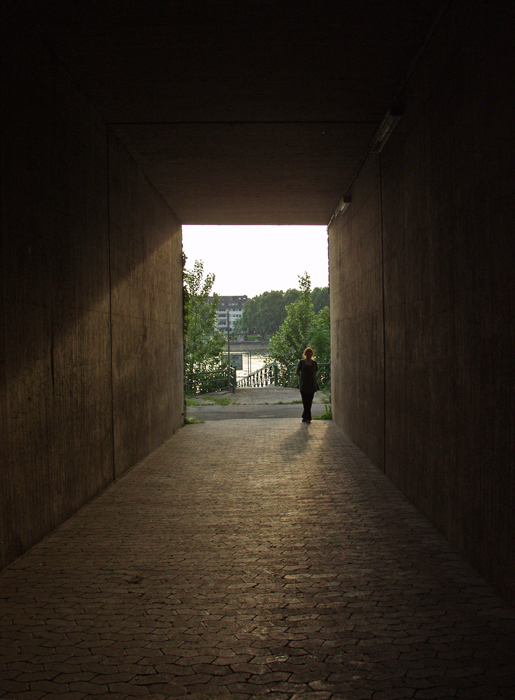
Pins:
x: 269, y: 376
x: 205, y: 382
x: 266, y: 376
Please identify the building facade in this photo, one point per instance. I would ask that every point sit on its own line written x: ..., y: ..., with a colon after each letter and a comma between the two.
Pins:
x: 230, y: 308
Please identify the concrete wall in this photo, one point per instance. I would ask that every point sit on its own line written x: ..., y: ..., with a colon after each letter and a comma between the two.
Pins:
x: 443, y: 191
x: 356, y: 286
x: 90, y: 296
x: 146, y: 312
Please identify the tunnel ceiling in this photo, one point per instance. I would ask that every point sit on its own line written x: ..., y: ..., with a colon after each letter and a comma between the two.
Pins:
x: 247, y: 112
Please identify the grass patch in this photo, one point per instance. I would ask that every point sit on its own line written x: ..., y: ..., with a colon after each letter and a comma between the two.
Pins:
x: 192, y: 421
x: 210, y: 401
x: 327, y: 415
x: 221, y: 400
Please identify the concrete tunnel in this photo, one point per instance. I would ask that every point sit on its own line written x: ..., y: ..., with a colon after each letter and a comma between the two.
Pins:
x: 123, y: 121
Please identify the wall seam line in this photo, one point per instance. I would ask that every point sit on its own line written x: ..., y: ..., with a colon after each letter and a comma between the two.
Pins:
x: 108, y: 143
x: 381, y: 213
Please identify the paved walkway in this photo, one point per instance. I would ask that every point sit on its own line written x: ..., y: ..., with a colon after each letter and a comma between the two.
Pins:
x: 267, y: 402
x: 251, y: 558
x: 266, y: 395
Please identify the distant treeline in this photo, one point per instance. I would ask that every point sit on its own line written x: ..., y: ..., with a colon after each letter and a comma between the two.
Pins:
x: 264, y: 314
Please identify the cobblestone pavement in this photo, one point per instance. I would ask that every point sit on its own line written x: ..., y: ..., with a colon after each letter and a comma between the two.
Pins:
x: 246, y: 559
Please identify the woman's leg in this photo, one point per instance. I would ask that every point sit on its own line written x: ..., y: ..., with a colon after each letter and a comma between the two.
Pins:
x: 307, y: 400
x: 303, y: 395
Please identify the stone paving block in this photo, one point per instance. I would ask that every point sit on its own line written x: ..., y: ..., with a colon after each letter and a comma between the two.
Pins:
x: 247, y: 558
x: 128, y: 689
x: 33, y: 695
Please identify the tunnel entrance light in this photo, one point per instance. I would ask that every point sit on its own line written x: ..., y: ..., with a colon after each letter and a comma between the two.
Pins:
x: 340, y: 207
x: 384, y: 132
x: 342, y: 204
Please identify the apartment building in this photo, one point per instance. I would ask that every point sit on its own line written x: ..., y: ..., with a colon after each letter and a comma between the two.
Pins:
x: 234, y: 307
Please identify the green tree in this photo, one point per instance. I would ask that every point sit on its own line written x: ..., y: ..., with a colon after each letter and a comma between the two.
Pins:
x: 271, y: 312
x: 290, y: 296
x: 204, y: 345
x: 263, y: 313
x: 247, y: 323
x: 320, y: 297
x: 288, y: 344
x: 320, y: 335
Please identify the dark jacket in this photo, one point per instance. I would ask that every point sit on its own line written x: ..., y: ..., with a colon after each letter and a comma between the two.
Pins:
x: 307, y: 376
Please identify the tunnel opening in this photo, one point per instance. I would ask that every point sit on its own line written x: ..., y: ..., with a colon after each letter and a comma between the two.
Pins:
x: 258, y: 272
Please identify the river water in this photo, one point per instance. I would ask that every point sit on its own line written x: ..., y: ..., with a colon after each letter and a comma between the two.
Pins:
x: 250, y: 363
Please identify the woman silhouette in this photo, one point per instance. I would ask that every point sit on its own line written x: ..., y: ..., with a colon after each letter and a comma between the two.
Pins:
x: 307, y: 372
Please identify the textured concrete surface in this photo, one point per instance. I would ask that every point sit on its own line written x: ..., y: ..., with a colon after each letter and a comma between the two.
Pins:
x: 422, y: 293
x: 245, y: 559
x: 357, y: 330
x: 146, y: 312
x: 240, y: 113
x: 90, y: 302
x: 55, y: 346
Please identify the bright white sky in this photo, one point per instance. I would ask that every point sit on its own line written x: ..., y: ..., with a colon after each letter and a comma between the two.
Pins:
x: 255, y: 259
